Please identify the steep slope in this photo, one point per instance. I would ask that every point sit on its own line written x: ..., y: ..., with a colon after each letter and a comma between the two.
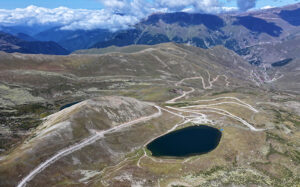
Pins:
x: 273, y: 52
x: 238, y: 31
x: 75, y: 124
x: 25, y: 37
x: 74, y: 40
x: 11, y: 44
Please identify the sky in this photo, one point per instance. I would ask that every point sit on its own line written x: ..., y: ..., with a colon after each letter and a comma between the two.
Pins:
x: 112, y: 14
x: 94, y: 4
x: 75, y: 4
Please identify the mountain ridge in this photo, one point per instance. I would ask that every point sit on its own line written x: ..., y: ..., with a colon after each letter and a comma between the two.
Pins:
x: 11, y: 44
x: 235, y: 31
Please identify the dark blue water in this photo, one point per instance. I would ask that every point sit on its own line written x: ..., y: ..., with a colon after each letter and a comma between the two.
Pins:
x: 69, y: 105
x: 185, y: 142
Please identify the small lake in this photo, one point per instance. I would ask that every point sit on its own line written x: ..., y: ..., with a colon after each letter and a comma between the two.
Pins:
x: 194, y: 140
x: 69, y: 105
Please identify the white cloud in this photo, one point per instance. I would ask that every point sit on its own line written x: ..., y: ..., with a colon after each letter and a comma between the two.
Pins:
x: 117, y: 14
x: 267, y: 7
x: 66, y: 18
x: 229, y: 9
x: 207, y: 6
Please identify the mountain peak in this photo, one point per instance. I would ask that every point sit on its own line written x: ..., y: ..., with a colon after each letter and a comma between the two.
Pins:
x: 213, y: 22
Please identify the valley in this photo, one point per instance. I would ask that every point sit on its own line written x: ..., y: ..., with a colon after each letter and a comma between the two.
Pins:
x: 138, y: 93
x: 130, y: 98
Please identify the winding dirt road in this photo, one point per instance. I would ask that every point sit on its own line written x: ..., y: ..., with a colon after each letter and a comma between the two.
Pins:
x: 197, y: 116
x: 84, y: 143
x: 208, y: 106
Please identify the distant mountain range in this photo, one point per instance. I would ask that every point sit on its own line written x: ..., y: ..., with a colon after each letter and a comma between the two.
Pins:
x: 248, y: 34
x: 10, y: 44
x: 74, y: 40
x: 243, y: 33
x: 25, y: 37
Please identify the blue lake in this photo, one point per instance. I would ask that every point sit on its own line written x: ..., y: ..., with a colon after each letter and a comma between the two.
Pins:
x: 194, y: 140
x: 69, y: 105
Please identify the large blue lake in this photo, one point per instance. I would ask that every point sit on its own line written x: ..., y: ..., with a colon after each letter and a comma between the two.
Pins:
x: 185, y: 142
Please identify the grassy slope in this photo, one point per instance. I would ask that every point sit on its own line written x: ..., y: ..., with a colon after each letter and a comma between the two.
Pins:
x: 149, y: 75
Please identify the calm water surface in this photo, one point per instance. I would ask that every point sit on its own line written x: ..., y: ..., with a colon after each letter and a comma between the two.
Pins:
x: 188, y: 141
x: 69, y: 105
